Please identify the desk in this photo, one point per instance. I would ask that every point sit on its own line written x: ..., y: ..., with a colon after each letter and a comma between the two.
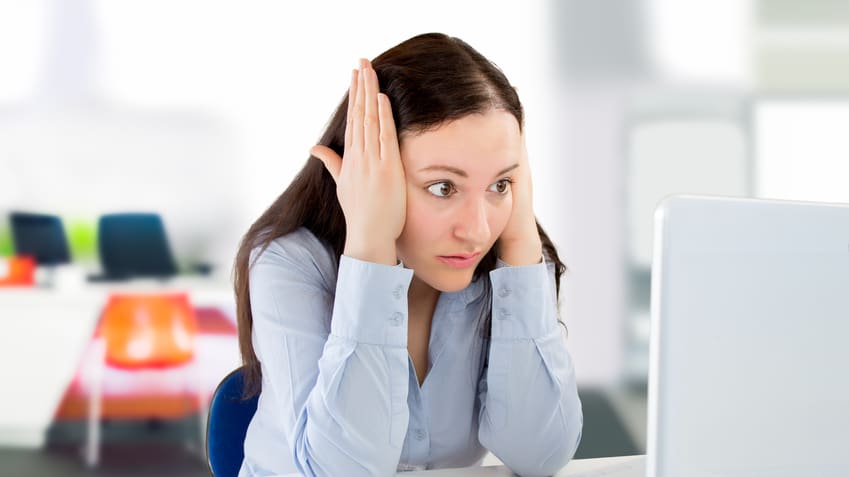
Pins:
x: 629, y: 466
x: 626, y: 466
x: 44, y: 334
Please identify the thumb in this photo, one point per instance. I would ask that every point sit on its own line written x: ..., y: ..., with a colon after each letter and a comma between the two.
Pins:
x: 332, y: 162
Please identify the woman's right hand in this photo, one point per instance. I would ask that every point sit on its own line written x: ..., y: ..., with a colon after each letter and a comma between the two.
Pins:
x: 370, y: 182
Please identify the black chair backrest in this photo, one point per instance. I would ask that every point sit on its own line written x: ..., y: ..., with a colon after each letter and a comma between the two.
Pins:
x: 134, y: 245
x: 40, y: 236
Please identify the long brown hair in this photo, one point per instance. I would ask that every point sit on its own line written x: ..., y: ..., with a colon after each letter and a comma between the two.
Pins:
x: 430, y: 79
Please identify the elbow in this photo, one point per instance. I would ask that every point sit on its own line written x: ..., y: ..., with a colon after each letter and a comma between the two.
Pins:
x: 529, y: 466
x: 317, y: 456
x: 568, y: 444
x: 543, y: 456
x: 560, y: 455
x: 537, y: 464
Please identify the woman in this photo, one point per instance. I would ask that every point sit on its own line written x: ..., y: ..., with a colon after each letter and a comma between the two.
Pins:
x: 397, y: 304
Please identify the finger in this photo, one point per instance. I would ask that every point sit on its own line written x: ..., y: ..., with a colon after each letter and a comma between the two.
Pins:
x: 349, y: 117
x: 332, y: 162
x: 388, y: 136
x: 371, y: 123
x: 357, y: 123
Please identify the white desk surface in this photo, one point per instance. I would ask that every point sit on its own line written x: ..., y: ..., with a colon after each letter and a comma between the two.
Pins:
x: 626, y: 466
x: 45, y: 334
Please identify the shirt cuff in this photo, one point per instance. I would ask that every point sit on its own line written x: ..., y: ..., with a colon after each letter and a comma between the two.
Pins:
x: 370, y: 306
x: 524, y: 303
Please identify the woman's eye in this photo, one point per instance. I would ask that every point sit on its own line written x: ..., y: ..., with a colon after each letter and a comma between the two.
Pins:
x: 501, y: 186
x: 441, y: 189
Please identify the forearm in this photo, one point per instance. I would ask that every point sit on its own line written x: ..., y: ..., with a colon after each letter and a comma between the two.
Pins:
x: 355, y: 419
x: 531, y: 415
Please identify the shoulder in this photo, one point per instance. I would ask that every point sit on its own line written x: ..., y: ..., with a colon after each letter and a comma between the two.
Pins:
x: 299, y: 252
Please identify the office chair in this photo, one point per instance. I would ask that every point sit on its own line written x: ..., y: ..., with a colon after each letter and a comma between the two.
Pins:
x: 229, y: 416
x: 143, y: 332
x: 41, y: 237
x: 134, y: 245
x: 17, y: 271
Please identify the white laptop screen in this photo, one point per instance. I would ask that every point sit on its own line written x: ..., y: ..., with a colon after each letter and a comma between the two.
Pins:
x: 749, y: 371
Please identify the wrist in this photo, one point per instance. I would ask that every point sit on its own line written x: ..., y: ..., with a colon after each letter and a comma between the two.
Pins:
x: 521, y: 251
x: 373, y: 251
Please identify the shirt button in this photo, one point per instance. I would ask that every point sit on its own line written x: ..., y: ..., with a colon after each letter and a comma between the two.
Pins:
x: 396, y: 318
x: 504, y: 292
x: 502, y: 313
x: 397, y: 292
x: 420, y: 435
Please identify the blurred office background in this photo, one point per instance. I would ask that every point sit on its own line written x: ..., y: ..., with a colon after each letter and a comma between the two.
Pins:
x: 200, y: 113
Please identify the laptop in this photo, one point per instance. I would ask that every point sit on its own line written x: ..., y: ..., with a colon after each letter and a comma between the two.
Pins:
x: 749, y: 353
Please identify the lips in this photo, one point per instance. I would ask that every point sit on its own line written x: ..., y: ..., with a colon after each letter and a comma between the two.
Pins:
x: 460, y: 260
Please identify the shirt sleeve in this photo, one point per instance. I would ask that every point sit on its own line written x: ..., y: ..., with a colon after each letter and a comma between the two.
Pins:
x: 335, y: 362
x: 531, y: 415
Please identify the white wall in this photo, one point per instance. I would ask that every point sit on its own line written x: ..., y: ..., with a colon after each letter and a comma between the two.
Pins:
x: 230, y: 94
x: 258, y: 80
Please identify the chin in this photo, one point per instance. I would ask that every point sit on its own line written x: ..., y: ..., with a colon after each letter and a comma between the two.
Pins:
x: 450, y: 284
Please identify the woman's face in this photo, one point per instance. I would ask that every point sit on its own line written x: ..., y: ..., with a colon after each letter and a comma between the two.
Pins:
x: 459, y: 195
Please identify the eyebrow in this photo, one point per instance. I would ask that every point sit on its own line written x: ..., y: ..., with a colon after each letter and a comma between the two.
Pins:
x: 461, y: 172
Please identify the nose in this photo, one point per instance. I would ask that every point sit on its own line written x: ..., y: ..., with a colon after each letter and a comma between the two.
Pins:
x: 472, y: 222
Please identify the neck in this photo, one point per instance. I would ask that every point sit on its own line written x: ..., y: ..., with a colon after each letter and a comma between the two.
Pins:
x: 420, y: 295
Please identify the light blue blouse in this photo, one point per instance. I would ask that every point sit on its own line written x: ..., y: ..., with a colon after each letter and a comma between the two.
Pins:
x: 340, y: 396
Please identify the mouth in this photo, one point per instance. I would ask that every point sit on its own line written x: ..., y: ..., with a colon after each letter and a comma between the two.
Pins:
x: 460, y: 260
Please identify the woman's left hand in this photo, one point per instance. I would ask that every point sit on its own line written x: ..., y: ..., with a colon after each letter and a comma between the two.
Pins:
x: 519, y: 243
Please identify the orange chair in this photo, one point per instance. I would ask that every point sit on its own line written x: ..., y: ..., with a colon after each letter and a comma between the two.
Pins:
x: 148, y: 331
x: 141, y: 331
x: 17, y: 271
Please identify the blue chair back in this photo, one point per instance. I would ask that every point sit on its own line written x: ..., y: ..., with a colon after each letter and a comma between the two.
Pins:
x: 40, y: 236
x: 229, y: 416
x: 134, y: 245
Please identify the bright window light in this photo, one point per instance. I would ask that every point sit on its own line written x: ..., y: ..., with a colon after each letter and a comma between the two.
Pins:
x: 701, y: 41
x: 802, y: 150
